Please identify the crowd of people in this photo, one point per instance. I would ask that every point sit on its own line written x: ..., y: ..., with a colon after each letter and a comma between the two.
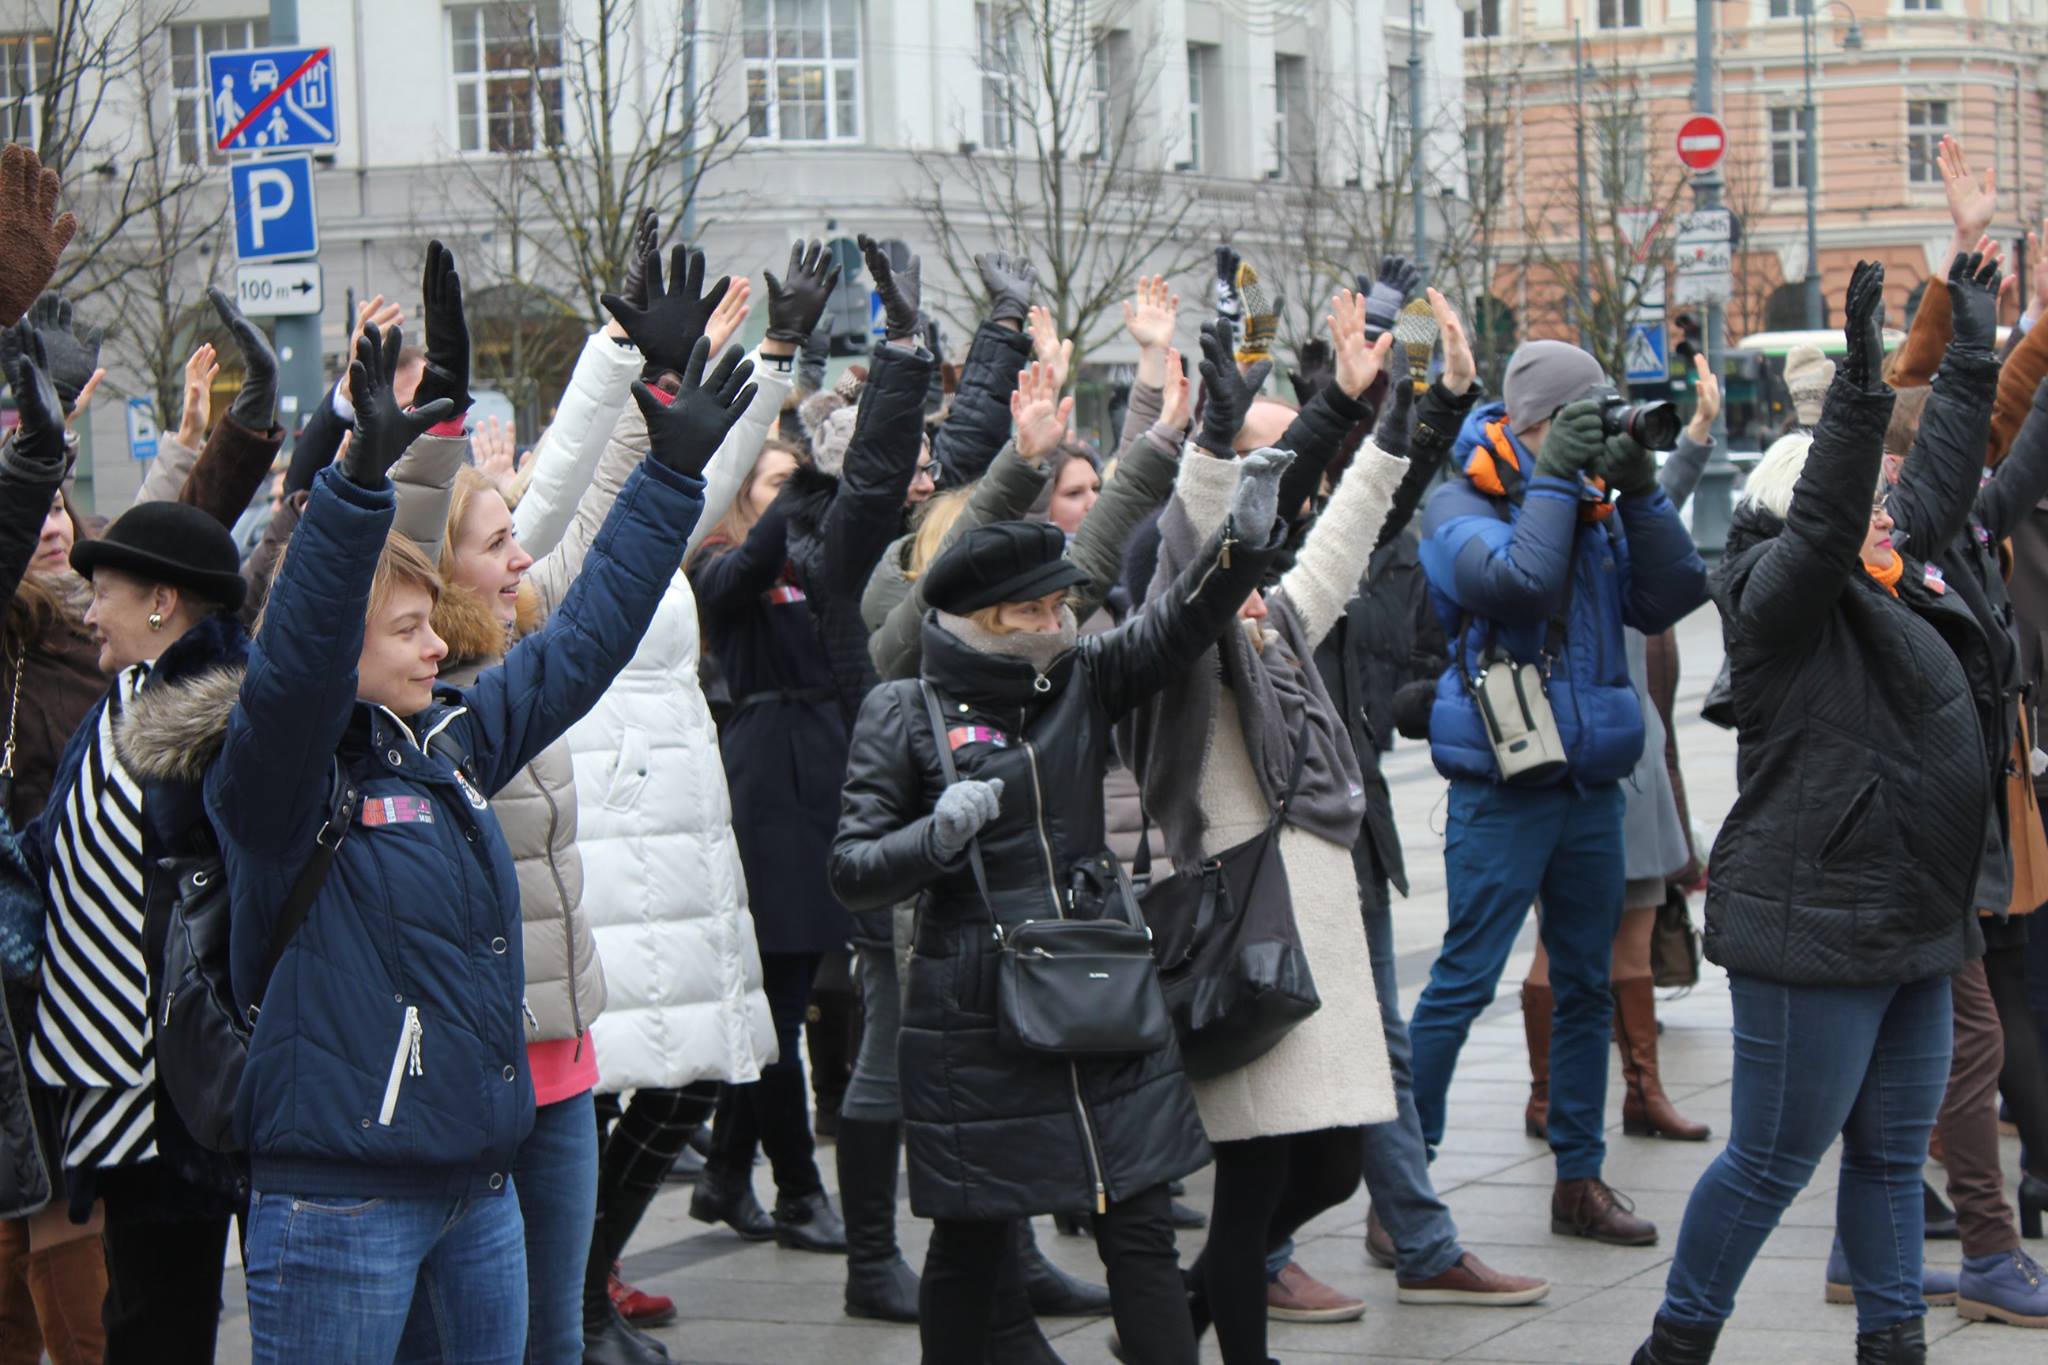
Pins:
x: 416, y: 855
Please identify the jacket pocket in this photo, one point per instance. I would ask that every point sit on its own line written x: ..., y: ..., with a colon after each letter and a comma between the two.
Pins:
x: 406, y: 1060
x: 629, y: 773
x: 1853, y: 817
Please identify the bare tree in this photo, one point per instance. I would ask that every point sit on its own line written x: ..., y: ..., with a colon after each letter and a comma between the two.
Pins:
x: 1065, y: 168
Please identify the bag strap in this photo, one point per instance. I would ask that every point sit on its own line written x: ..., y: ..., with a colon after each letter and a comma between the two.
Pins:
x: 298, y: 902
x: 1286, y: 800
x: 938, y: 723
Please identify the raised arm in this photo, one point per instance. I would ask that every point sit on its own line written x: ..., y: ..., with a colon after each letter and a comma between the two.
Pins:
x: 2021, y: 480
x: 1145, y: 473
x: 1938, y: 484
x: 978, y: 419
x: 34, y: 458
x: 1318, y: 430
x: 724, y: 579
x: 568, y: 451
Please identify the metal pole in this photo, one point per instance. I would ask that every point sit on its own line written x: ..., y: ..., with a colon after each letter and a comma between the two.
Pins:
x: 687, y: 220
x: 301, y: 379
x: 1812, y: 154
x: 1585, y: 198
x: 1415, y: 128
x: 1713, y: 501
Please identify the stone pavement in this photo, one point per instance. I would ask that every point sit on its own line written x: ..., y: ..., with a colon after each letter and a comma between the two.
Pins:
x: 741, y: 1302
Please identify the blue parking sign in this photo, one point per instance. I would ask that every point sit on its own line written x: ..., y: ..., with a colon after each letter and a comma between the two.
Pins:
x: 270, y: 99
x: 273, y: 202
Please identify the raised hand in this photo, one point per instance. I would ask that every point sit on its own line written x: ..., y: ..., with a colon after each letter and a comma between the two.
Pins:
x: 383, y: 429
x: 255, y: 405
x: 1174, y: 405
x: 1973, y: 300
x: 1151, y: 312
x: 1863, y: 328
x: 197, y: 412
x: 1047, y: 347
x: 1459, y: 367
x: 797, y: 301
x: 493, y: 447
x: 646, y: 242
x: 1358, y: 360
x: 371, y: 310
x: 1575, y: 442
x: 730, y: 315
x: 901, y: 290
x: 1972, y: 199
x: 1391, y: 432
x: 960, y: 813
x: 676, y: 314
x: 32, y: 235
x: 1230, y: 394
x: 1038, y: 414
x: 1707, y: 395
x: 1385, y: 294
x: 1010, y: 281
x: 1228, y: 304
x: 684, y: 433
x: 39, y: 434
x: 74, y: 351
x: 447, y: 372
x: 1255, y: 501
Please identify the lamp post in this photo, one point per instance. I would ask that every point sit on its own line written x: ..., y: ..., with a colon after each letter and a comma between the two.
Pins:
x: 1851, y: 42
x: 1585, y: 199
x: 1415, y: 128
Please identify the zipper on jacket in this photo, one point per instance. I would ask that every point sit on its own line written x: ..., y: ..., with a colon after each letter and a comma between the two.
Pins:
x: 568, y: 913
x: 405, y: 1061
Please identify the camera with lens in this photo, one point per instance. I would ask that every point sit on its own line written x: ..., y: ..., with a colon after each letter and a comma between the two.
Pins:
x: 1653, y: 426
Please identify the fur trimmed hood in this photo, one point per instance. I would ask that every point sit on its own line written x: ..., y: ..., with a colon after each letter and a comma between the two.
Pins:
x: 173, y: 730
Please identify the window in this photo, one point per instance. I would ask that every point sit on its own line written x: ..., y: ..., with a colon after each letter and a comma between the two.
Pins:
x: 1926, y: 125
x: 1485, y: 161
x: 1293, y: 135
x: 803, y: 69
x: 1200, y: 56
x: 1108, y: 96
x: 189, y: 94
x: 508, y: 75
x: 1621, y: 13
x: 1784, y: 9
x: 1398, y: 152
x: 1622, y: 154
x: 996, y: 49
x: 1922, y: 6
x: 24, y: 64
x: 1789, y: 170
x: 1483, y: 20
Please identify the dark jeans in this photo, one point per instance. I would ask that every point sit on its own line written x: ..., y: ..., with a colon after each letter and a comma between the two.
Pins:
x: 1265, y: 1189
x: 555, y: 1172
x: 773, y: 1112
x: 956, y: 1299
x: 1866, y: 1062
x: 2024, y: 1077
x: 163, y: 1287
x: 1503, y: 848
x: 872, y: 1095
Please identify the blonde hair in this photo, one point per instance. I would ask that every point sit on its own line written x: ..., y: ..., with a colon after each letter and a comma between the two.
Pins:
x: 468, y: 483
x: 403, y: 564
x: 1771, y: 483
x: 935, y: 522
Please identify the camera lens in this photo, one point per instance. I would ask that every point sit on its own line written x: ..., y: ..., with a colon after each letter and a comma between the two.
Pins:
x: 1654, y: 426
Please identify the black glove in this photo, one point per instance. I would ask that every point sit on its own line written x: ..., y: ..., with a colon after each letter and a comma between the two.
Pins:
x: 901, y: 290
x: 39, y: 438
x: 685, y: 433
x: 1228, y: 304
x: 1575, y: 441
x: 1010, y: 284
x: 1228, y: 394
x: 668, y: 328
x: 646, y: 242
x: 1385, y: 295
x: 447, y: 372
x: 74, y: 352
x: 1391, y: 435
x: 383, y: 428
x: 795, y: 304
x: 255, y: 406
x: 1628, y: 468
x: 1863, y: 328
x: 1315, y: 369
x: 1973, y: 302
x: 1442, y: 411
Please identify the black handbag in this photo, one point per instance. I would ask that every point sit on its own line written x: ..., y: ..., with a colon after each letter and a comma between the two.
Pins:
x: 1074, y: 988
x: 1230, y: 957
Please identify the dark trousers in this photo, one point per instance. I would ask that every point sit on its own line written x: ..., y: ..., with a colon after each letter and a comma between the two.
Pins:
x: 1968, y: 1121
x: 2024, y: 1077
x: 1265, y: 1189
x: 163, y: 1287
x: 1148, y: 1297
x: 773, y: 1113
x: 635, y: 1150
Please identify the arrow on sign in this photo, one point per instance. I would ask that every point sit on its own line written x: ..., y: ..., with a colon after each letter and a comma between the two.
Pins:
x: 263, y: 105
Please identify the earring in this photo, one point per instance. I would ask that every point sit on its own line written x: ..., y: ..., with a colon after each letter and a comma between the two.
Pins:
x: 156, y: 620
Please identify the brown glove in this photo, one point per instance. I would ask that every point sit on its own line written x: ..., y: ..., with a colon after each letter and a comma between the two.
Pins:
x: 32, y: 236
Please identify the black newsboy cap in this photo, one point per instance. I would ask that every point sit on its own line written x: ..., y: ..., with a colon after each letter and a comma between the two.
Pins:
x: 1008, y: 561
x: 172, y: 543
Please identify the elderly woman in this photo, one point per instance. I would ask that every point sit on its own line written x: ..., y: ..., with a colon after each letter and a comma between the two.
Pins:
x: 1843, y: 877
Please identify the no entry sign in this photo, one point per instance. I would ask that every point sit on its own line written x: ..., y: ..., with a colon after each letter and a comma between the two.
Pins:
x: 1702, y: 142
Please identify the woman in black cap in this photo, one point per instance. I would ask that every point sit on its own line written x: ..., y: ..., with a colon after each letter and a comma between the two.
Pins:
x: 995, y: 1135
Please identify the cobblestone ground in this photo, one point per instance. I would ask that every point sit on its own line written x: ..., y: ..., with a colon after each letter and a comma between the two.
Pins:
x: 742, y: 1302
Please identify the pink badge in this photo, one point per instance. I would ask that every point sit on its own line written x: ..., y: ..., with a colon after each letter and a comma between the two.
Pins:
x: 398, y: 810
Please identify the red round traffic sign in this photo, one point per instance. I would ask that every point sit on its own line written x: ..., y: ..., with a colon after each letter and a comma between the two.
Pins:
x: 1702, y: 141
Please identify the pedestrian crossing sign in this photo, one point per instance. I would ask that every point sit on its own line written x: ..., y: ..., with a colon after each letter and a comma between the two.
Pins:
x: 1645, y: 356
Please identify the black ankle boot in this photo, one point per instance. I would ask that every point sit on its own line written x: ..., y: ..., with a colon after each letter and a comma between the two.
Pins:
x: 1902, y: 1343
x: 721, y: 1197
x: 808, y: 1222
x: 879, y: 1284
x: 1054, y: 1293
x: 609, y: 1339
x: 1677, y: 1343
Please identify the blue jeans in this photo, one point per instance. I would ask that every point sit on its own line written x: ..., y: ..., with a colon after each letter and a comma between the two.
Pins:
x: 1867, y: 1062
x: 555, y: 1172
x: 1503, y: 848
x: 352, y: 1281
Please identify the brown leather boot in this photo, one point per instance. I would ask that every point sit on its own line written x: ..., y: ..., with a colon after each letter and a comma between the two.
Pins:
x: 69, y: 1282
x: 21, y: 1341
x: 1645, y: 1110
x: 1589, y: 1208
x: 1537, y: 1004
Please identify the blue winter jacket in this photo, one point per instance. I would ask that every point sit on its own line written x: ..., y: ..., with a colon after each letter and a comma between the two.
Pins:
x: 1496, y: 565
x: 389, y: 1057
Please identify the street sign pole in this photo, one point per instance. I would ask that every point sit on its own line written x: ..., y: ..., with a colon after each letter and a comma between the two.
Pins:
x: 1713, y: 501
x: 301, y: 379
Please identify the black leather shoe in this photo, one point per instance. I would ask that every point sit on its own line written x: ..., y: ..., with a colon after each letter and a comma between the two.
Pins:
x: 1677, y: 1343
x: 1073, y: 1224
x: 1054, y: 1293
x: 720, y: 1198
x: 609, y: 1339
x: 1185, y: 1218
x: 808, y: 1222
x: 1902, y: 1343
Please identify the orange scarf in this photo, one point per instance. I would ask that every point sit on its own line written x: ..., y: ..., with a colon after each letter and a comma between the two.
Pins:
x: 1888, y: 579
x: 1484, y: 471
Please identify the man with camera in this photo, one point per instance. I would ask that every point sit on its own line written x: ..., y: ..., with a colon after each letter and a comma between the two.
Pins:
x: 1550, y: 536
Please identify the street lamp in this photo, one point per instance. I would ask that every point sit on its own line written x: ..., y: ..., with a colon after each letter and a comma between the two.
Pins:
x: 1581, y: 69
x: 1852, y: 41
x: 1415, y: 128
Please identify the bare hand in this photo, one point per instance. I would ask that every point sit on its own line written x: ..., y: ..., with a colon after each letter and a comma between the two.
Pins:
x: 1038, y: 413
x: 1459, y: 367
x: 1174, y: 411
x: 1150, y: 313
x: 1046, y: 346
x: 1707, y: 390
x: 1359, y: 362
x: 85, y: 394
x: 731, y: 312
x: 373, y: 312
x: 497, y: 457
x: 200, y: 370
x: 1972, y: 199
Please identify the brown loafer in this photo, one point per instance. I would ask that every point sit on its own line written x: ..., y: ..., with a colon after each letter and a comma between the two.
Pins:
x: 1593, y: 1209
x: 1378, y: 1245
x: 1294, y: 1295
x: 1473, y: 1281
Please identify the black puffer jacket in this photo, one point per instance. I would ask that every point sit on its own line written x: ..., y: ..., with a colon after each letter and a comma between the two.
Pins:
x: 990, y: 1133
x: 1852, y: 849
x: 978, y: 421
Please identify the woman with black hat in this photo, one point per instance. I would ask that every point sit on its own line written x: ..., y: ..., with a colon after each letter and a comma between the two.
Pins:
x: 995, y: 1135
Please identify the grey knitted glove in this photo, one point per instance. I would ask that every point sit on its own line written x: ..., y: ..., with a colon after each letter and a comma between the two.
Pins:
x: 962, y: 810
x: 1255, y: 502
x: 1385, y: 295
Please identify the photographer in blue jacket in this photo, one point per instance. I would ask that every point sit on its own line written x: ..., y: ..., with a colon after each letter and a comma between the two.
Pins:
x: 386, y: 1086
x: 1534, y: 566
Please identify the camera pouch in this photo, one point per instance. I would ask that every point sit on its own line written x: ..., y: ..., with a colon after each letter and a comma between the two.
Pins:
x: 1516, y: 711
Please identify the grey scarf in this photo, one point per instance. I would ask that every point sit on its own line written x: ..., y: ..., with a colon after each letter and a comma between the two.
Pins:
x: 1277, y: 688
x: 1037, y: 650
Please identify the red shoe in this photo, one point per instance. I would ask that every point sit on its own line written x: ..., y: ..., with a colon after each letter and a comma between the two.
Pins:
x: 642, y: 1310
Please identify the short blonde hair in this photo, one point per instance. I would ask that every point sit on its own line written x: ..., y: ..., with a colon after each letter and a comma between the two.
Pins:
x: 402, y: 564
x: 935, y: 523
x: 1771, y: 483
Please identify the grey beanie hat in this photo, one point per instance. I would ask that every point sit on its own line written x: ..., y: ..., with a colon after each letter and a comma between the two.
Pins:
x: 1542, y: 377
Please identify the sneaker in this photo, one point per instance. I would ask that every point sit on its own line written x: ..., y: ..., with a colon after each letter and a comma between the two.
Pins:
x: 1294, y: 1295
x: 1472, y: 1281
x: 2008, y: 1287
x: 639, y: 1308
x: 1937, y: 1285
